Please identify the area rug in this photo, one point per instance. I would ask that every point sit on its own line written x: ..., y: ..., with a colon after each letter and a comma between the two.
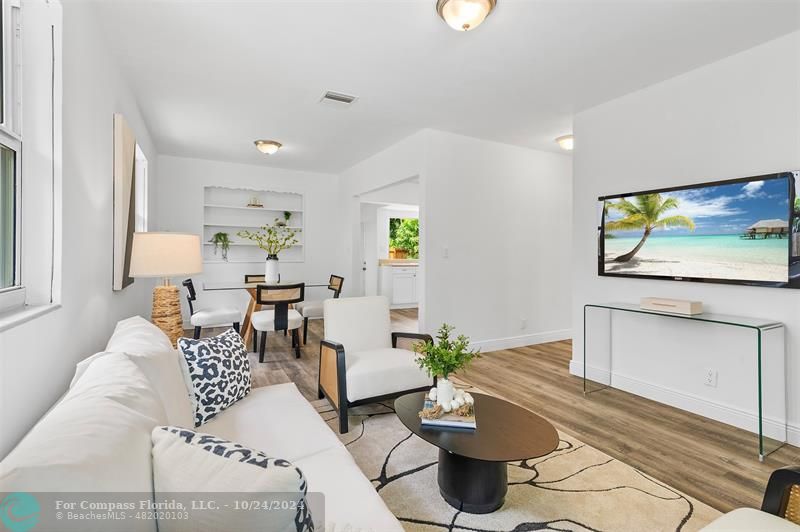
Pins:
x: 576, y: 488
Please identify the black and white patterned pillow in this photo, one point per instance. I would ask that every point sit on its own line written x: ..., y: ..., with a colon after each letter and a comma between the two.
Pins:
x: 219, y: 372
x: 280, y: 478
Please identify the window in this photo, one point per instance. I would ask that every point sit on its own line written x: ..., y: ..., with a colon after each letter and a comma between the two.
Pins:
x: 140, y: 188
x: 10, y: 150
x: 404, y: 238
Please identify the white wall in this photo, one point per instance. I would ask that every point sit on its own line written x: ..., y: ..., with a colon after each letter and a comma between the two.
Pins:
x: 734, y: 118
x: 503, y: 213
x: 181, y: 209
x: 37, y: 359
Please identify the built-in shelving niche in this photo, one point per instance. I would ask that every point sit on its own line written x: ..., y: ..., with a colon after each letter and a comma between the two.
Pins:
x: 225, y: 209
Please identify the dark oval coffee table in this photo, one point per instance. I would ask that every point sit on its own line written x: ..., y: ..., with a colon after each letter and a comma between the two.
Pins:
x: 473, y: 470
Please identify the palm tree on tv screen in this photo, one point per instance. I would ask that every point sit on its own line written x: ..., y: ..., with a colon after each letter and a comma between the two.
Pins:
x: 645, y: 212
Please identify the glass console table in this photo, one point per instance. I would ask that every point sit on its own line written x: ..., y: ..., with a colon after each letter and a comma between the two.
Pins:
x: 771, y: 426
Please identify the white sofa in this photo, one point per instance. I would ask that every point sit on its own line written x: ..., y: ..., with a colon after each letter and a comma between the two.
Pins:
x: 97, y: 437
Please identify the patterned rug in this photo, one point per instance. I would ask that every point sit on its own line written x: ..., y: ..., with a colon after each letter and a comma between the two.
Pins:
x: 576, y: 488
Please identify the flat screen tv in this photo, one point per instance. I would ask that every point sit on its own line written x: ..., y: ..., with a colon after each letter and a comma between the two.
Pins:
x: 744, y: 231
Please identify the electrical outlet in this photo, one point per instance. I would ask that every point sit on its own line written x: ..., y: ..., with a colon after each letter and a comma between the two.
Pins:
x: 523, y: 323
x: 711, y: 378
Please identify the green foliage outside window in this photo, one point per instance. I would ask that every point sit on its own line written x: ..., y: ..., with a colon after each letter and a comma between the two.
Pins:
x: 404, y: 234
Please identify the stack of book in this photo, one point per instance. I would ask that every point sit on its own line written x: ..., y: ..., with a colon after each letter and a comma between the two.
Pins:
x: 449, y: 419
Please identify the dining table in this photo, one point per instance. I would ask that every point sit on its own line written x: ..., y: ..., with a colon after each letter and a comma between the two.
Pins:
x: 253, y: 306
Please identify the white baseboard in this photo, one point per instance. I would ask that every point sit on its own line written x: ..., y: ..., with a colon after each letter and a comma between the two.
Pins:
x: 521, y: 341
x: 689, y: 402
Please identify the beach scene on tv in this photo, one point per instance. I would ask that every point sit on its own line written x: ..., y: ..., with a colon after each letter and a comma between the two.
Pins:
x: 737, y: 231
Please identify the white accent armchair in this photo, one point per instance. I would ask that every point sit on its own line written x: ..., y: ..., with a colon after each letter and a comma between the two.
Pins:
x: 359, y: 362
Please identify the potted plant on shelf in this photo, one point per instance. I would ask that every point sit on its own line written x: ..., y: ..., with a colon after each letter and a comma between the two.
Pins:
x: 444, y: 357
x: 273, y: 239
x: 221, y: 240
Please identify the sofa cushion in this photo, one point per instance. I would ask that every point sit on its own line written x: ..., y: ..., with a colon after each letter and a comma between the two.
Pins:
x: 166, y: 377
x: 750, y: 520
x: 136, y: 335
x: 219, y: 371
x: 351, y: 502
x: 185, y: 461
x: 382, y: 371
x: 358, y: 323
x: 278, y: 420
x: 96, y: 439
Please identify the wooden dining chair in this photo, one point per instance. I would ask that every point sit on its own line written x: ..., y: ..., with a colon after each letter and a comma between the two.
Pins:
x: 313, y: 309
x: 280, y: 317
x: 254, y: 278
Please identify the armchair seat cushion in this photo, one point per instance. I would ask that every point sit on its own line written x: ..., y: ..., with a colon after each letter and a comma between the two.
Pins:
x: 264, y: 320
x: 749, y: 520
x: 310, y: 309
x: 382, y: 371
x: 216, y: 316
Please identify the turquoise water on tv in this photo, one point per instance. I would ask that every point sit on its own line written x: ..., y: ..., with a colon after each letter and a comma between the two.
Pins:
x: 711, y: 248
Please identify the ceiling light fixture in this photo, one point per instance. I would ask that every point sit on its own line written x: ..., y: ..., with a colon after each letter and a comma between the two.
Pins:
x: 566, y: 142
x: 464, y: 15
x: 268, y: 147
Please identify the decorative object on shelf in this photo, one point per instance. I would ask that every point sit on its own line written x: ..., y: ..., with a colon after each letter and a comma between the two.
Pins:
x: 443, y: 358
x: 464, y: 15
x: 273, y: 239
x: 268, y: 147
x: 223, y: 241
x: 166, y: 255
x: 676, y: 306
x: 255, y: 203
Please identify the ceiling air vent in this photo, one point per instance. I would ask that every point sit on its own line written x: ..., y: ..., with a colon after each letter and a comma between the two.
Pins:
x: 338, y: 99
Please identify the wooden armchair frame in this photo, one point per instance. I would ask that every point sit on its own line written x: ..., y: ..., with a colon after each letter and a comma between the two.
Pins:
x: 782, y: 496
x: 333, y: 377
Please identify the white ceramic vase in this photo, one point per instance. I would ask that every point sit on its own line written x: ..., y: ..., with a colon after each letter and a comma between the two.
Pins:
x: 445, y: 392
x: 271, y: 274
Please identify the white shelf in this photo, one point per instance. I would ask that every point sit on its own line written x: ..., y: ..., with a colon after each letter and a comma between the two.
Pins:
x: 295, y: 227
x: 225, y: 209
x: 247, y: 244
x: 254, y: 209
x: 241, y: 261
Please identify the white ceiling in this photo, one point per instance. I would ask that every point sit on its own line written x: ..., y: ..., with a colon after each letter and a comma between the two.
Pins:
x: 212, y: 76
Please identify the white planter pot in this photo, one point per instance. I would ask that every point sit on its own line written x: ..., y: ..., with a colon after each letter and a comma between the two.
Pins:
x: 445, y: 391
x: 271, y: 274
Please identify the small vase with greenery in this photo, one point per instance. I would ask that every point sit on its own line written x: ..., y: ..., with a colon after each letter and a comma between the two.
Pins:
x: 223, y: 241
x: 444, y: 357
x: 273, y: 239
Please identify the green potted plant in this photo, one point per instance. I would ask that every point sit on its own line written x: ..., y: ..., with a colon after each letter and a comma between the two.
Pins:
x: 273, y: 239
x: 221, y: 240
x: 444, y: 357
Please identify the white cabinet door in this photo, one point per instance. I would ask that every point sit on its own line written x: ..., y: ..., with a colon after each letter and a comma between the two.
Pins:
x: 404, y: 288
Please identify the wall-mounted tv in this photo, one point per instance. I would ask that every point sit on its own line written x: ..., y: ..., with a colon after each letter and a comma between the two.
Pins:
x: 744, y: 231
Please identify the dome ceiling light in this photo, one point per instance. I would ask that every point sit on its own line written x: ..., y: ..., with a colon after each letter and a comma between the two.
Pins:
x: 268, y: 147
x: 464, y: 15
x: 566, y: 142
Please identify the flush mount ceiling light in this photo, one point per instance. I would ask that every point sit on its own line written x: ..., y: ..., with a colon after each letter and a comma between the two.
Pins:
x: 464, y: 15
x: 566, y: 142
x: 268, y: 147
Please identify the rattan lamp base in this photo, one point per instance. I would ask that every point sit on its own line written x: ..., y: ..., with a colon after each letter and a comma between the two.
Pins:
x: 167, y: 311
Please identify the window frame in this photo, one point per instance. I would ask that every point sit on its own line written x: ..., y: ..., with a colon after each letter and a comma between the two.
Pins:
x: 14, y: 296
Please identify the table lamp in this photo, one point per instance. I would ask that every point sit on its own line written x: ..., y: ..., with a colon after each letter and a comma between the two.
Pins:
x: 166, y: 255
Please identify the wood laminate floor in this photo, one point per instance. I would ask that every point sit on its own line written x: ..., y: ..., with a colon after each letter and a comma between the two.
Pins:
x: 711, y: 461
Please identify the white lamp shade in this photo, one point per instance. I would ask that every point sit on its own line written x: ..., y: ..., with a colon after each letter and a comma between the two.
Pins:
x: 165, y: 255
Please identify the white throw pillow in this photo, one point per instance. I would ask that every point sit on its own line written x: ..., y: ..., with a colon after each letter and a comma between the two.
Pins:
x: 138, y: 336
x: 219, y: 372
x: 96, y: 439
x: 186, y: 463
x: 164, y: 372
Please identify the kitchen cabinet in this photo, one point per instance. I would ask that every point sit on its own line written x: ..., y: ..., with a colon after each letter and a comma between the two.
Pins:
x: 399, y: 284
